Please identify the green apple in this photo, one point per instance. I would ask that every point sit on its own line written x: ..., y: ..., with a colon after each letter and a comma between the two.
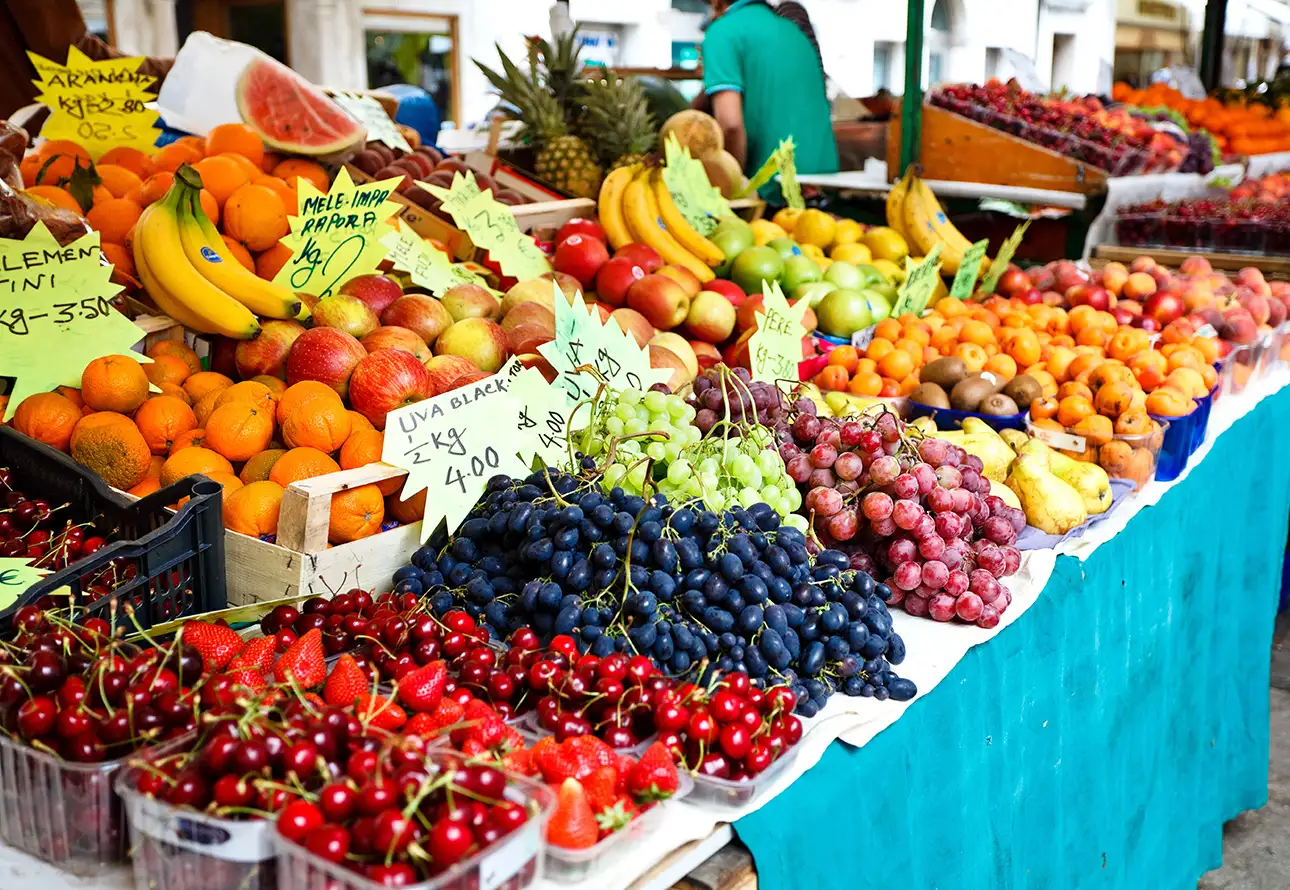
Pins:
x: 870, y: 275
x: 844, y: 275
x: 878, y: 305
x: 843, y: 312
x: 886, y: 288
x: 800, y: 269
x: 755, y: 265
x: 785, y: 247
x: 812, y: 292
x: 731, y: 242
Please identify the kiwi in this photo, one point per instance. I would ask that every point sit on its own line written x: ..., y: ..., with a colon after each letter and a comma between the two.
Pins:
x: 930, y: 394
x: 969, y: 393
x: 997, y: 405
x: 944, y: 372
x: 1023, y: 390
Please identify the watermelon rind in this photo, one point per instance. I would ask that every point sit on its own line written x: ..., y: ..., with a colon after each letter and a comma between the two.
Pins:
x: 321, y: 128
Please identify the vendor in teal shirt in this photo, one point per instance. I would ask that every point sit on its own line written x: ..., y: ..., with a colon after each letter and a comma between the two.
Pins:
x: 764, y: 79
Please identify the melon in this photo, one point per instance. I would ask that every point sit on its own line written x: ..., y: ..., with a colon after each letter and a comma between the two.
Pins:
x: 725, y: 173
x: 698, y: 132
x: 291, y: 114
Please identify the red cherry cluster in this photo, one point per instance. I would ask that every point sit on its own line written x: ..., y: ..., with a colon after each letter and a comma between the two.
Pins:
x: 611, y: 698
x: 72, y: 690
x: 733, y: 731
x: 403, y: 643
x: 348, y: 621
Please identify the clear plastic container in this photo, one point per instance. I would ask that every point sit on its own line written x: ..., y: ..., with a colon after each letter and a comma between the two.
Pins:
x: 576, y: 866
x: 514, y: 863
x: 711, y: 791
x: 179, y: 849
x: 1133, y: 457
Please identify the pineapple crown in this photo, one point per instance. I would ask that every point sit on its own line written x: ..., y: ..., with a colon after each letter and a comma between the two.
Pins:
x: 550, y: 96
x: 618, y: 113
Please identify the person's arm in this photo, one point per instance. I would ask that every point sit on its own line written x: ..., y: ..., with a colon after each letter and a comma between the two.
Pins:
x: 728, y: 109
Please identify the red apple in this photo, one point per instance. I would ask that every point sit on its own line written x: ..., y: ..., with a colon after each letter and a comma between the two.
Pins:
x: 580, y: 256
x: 644, y: 256
x: 580, y: 226
x: 711, y: 317
x: 326, y: 355
x: 346, y: 313
x: 667, y: 360
x: 529, y: 313
x: 267, y: 353
x: 728, y: 289
x: 444, y: 369
x: 377, y: 291
x: 615, y: 277
x: 471, y: 301
x: 526, y: 338
x: 1164, y: 306
x: 420, y: 313
x: 660, y: 299
x: 466, y: 379
x: 394, y: 337
x: 479, y: 339
x: 1031, y: 296
x: 387, y: 380
x: 707, y: 354
x: 632, y: 322
x: 688, y: 280
x: 1013, y: 282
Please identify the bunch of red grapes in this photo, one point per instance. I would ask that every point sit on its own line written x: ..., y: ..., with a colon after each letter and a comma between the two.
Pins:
x: 916, y: 512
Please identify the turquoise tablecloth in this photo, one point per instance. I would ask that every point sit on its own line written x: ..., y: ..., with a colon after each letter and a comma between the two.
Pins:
x: 1101, y: 741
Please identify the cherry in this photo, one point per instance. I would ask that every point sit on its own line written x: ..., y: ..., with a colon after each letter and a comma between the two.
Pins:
x: 300, y: 758
x: 189, y: 789
x: 393, y: 832
x: 252, y: 756
x: 449, y: 842
x: 759, y: 757
x: 85, y: 748
x: 36, y: 717
x: 726, y: 706
x: 461, y: 622
x: 72, y: 722
x: 299, y: 819
x: 702, y: 727
x: 329, y: 842
x: 232, y: 791
x: 376, y: 797
x: 736, y: 741
x: 715, y: 764
x: 337, y: 802
x: 396, y: 874
x: 507, y: 815
x: 564, y: 645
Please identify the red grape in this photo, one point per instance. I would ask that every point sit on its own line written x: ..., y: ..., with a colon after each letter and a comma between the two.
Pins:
x: 876, y: 505
x: 906, y: 514
x: 901, y: 551
x: 935, y: 574
x: 848, y: 466
x: 989, y: 617
x: 823, y: 455
x: 941, y: 607
x: 956, y: 584
x: 843, y: 525
x: 908, y: 575
x: 969, y: 606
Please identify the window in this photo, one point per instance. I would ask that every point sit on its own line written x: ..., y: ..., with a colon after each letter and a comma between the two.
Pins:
x: 415, y: 49
x: 993, y: 58
x: 882, y: 55
x: 941, y: 16
x: 935, y: 68
x: 260, y: 23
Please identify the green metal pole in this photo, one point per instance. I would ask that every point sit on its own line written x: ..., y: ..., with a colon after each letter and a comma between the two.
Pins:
x: 1211, y: 44
x: 911, y: 106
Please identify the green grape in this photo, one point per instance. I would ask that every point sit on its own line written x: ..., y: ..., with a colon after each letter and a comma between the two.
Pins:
x: 715, y: 500
x: 672, y: 451
x: 636, y: 477
x: 630, y: 396
x: 748, y: 497
x: 741, y: 465
x: 655, y: 401
x: 623, y: 412
x: 770, y: 494
x: 770, y: 463
x: 794, y: 499
x: 614, y: 425
x: 656, y: 450
x: 710, y: 466
x: 796, y: 520
x: 614, y: 474
x: 633, y: 427
x: 678, y: 471
x: 677, y: 408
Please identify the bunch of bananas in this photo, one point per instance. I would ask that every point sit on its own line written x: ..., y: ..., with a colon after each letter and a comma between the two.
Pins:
x: 188, y: 271
x: 914, y: 212
x: 636, y: 206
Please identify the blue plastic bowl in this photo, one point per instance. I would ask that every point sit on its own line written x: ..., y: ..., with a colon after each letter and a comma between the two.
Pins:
x: 949, y: 419
x: 1182, y: 438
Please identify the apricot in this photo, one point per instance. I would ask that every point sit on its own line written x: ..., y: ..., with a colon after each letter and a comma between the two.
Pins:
x: 1170, y: 402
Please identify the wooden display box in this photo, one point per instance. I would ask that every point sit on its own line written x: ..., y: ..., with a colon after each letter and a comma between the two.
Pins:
x: 1269, y: 265
x: 959, y: 149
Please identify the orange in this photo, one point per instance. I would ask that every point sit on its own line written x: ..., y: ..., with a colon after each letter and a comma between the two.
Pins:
x: 230, y: 482
x: 1113, y: 399
x: 918, y: 332
x: 221, y: 177
x: 409, y: 511
x: 908, y: 385
x: 48, y: 417
x: 897, y: 364
x: 131, y: 159
x: 95, y: 420
x: 887, y: 329
x: 297, y: 168
x: 253, y: 509
x: 171, y: 157
x: 118, y: 180
x: 357, y: 423
x: 205, y: 406
x: 187, y: 461
x: 281, y: 189
x: 1003, y: 365
x: 1043, y: 408
x: 299, y: 393
x: 944, y: 339
x: 236, y: 138
x: 72, y: 394
x: 146, y: 487
x: 356, y: 513
x: 239, y: 430
x: 251, y: 170
x: 363, y: 448
x: 913, y: 347
x: 258, y: 467
x: 255, y: 216
x: 248, y: 391
x: 326, y: 425
x: 191, y: 439
x: 1096, y: 429
x: 114, y: 218
x: 152, y: 189
x: 865, y: 383
x: 210, y: 206
x: 1072, y: 409
x: 204, y: 382
x: 171, y: 389
x: 268, y: 264
x: 878, y: 348
x: 54, y: 196
x: 196, y: 143
x: 114, y: 383
x: 846, y: 356
x: 302, y: 463
x: 270, y: 160
x: 115, y: 451
x: 240, y: 253
x: 275, y: 385
x: 178, y: 349
x: 973, y: 355
x: 950, y: 307
x: 167, y: 369
x: 162, y: 420
x: 121, y: 258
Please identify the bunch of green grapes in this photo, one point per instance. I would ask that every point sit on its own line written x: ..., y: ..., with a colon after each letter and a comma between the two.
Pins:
x: 640, y: 427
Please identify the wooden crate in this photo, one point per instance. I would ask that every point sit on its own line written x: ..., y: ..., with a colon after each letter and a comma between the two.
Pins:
x: 1270, y: 265
x: 301, y: 561
x: 959, y: 149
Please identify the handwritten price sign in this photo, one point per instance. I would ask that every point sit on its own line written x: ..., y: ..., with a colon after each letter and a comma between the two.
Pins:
x: 55, y: 313
x: 699, y: 201
x: 490, y: 225
x: 371, y: 114
x: 776, y: 348
x: 99, y: 105
x: 430, y: 268
x: 16, y: 575
x: 450, y: 446
x: 919, y: 285
x: 337, y: 236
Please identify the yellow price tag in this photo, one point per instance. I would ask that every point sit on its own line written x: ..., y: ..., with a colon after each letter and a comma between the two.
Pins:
x: 16, y: 575
x: 429, y: 268
x: 491, y: 225
x: 699, y: 201
x: 99, y: 105
x: 337, y: 236
x: 55, y: 313
x: 775, y: 350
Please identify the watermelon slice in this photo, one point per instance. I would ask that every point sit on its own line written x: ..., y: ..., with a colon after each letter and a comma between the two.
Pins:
x: 291, y: 114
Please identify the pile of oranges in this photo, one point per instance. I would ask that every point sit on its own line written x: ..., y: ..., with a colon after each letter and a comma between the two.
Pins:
x: 248, y: 192
x: 255, y: 438
x: 1239, y: 128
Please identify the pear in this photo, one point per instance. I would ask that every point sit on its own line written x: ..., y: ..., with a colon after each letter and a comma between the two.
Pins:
x: 978, y: 438
x: 1014, y: 438
x: 1050, y: 505
x: 1005, y: 494
x: 1090, y: 480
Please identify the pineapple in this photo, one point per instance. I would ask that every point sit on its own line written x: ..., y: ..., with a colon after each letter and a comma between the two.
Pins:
x: 619, y: 113
x: 561, y: 67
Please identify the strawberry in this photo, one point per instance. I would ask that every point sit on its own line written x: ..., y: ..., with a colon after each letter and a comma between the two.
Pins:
x: 654, y: 777
x: 257, y: 653
x: 473, y: 748
x: 430, y: 725
x: 616, y: 817
x: 216, y: 643
x: 477, y: 709
x: 380, y: 712
x: 573, y: 824
x: 625, y: 766
x: 519, y: 760
x: 511, y: 738
x: 593, y: 750
x: 599, y: 786
x: 304, y: 660
x: 489, y: 732
x: 248, y: 677
x: 422, y: 690
x: 345, y: 683
x: 545, y: 754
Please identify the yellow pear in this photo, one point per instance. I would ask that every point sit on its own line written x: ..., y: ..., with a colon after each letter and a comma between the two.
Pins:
x: 1050, y: 505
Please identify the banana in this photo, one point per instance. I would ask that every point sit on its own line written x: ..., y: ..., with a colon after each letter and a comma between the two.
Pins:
x: 611, y: 205
x: 641, y: 212
x: 209, y: 254
x: 676, y: 223
x: 180, y: 290
x: 896, y: 204
x: 927, y: 223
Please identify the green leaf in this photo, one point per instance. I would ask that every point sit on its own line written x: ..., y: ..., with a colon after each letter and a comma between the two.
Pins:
x: 1006, y: 253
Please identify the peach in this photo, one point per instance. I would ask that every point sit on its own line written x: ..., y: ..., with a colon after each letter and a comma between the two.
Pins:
x: 660, y: 299
x: 1142, y: 264
x: 1114, y: 275
x: 632, y: 322
x: 1139, y: 286
x: 1195, y: 265
x: 1255, y: 303
x: 1276, y: 312
x: 1239, y: 326
x: 711, y: 317
x: 676, y: 343
x: 667, y: 360
x: 688, y: 280
x: 479, y: 339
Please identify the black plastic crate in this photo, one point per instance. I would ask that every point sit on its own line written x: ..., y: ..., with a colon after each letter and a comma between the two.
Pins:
x: 177, y: 556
